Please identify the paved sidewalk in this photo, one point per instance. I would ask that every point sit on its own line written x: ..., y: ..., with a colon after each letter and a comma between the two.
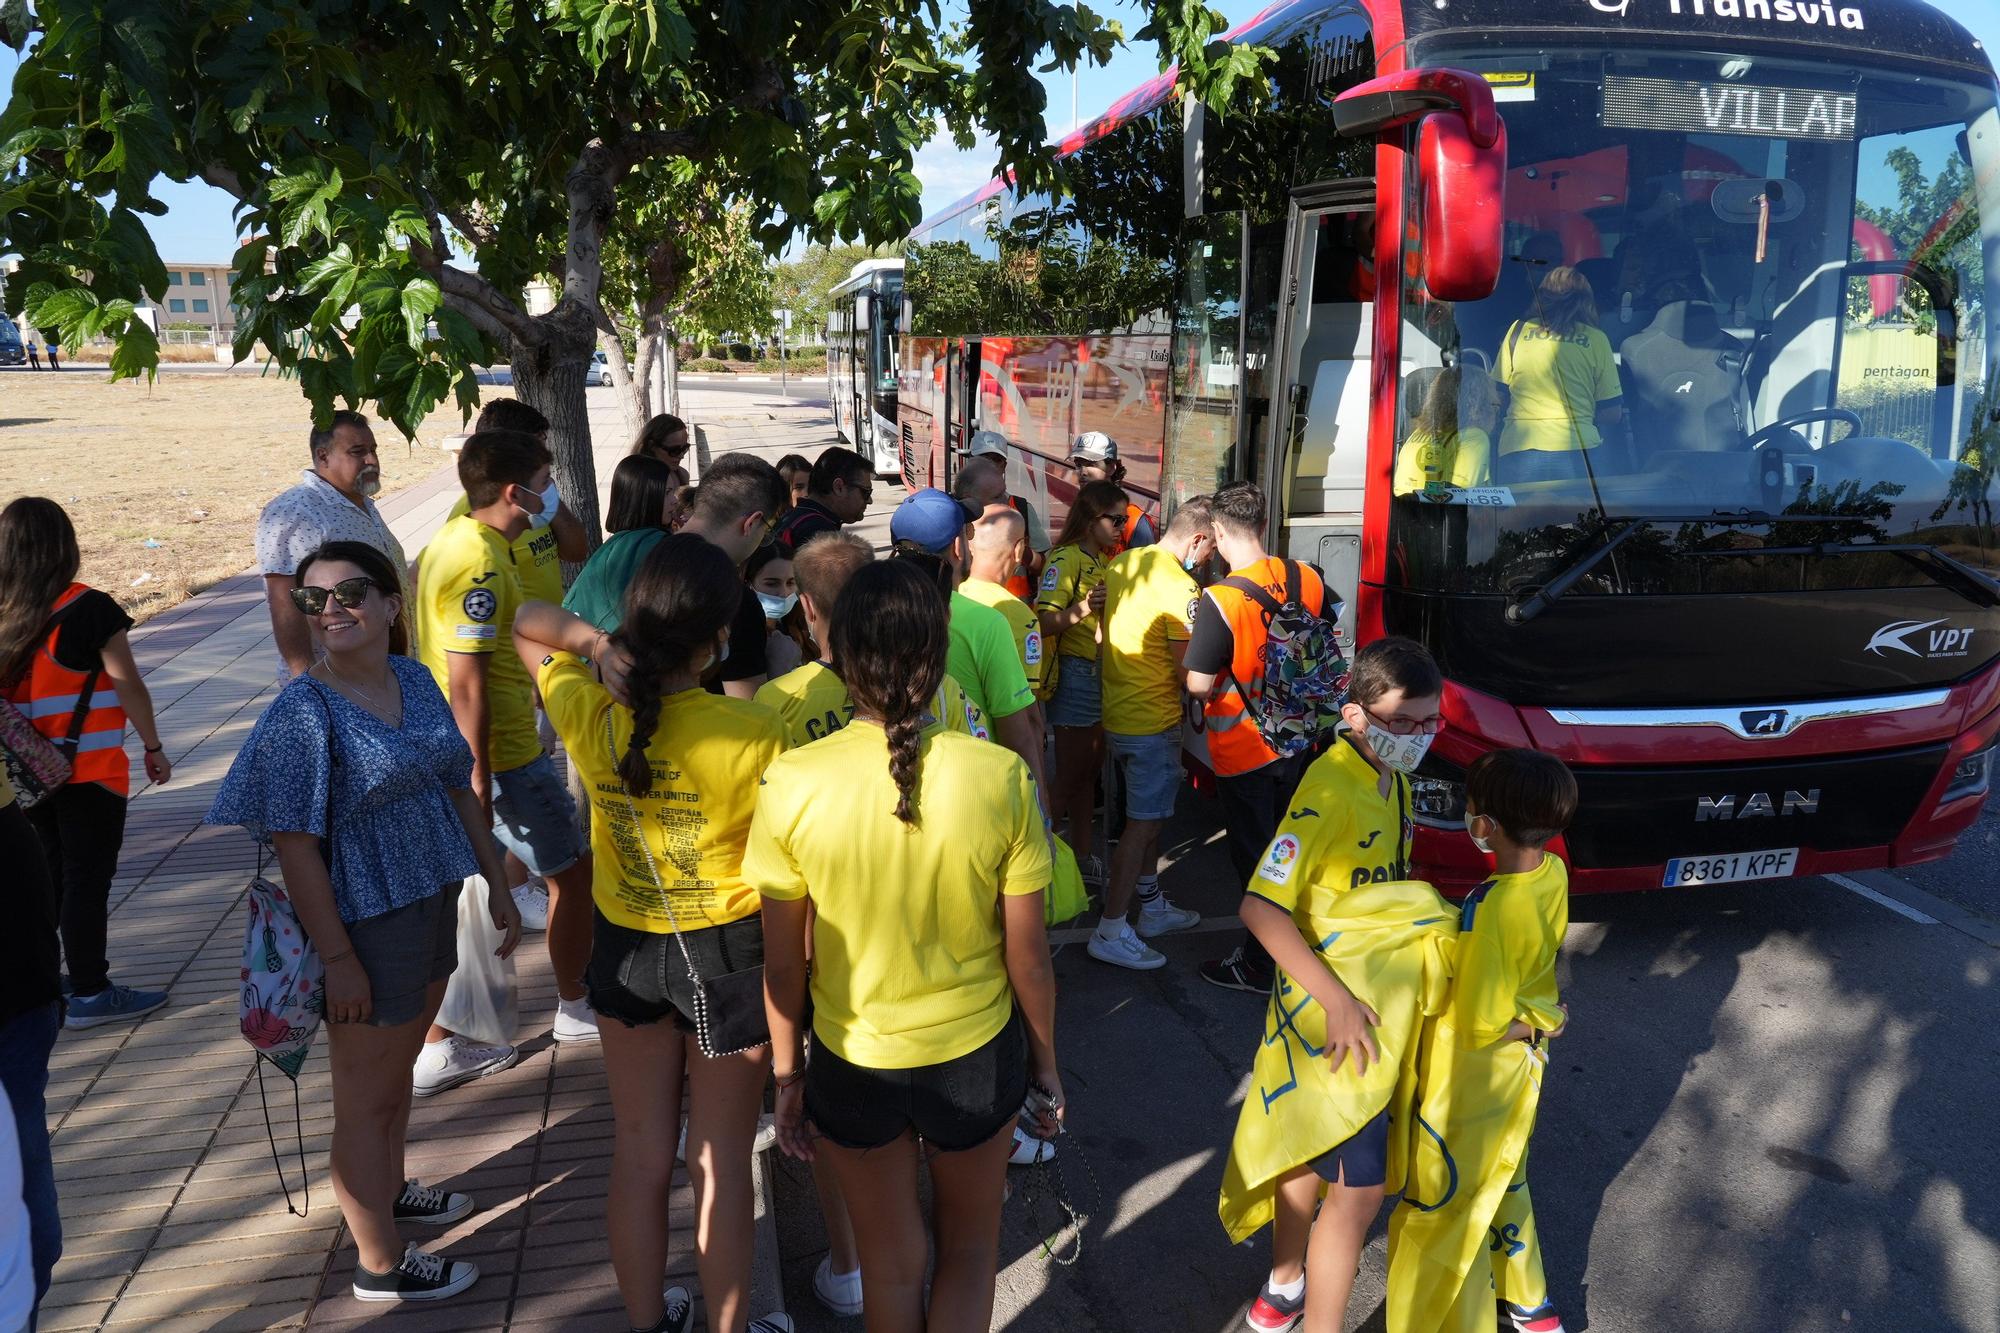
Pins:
x: 172, y: 1214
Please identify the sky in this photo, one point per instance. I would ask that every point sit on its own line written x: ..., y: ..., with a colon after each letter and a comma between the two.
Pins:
x: 198, y: 227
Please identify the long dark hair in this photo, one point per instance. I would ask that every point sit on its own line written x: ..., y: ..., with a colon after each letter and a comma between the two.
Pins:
x: 641, y: 487
x: 793, y: 624
x: 376, y: 566
x: 1563, y: 304
x: 38, y: 561
x: 890, y: 635
x: 684, y: 594
x: 1093, y: 501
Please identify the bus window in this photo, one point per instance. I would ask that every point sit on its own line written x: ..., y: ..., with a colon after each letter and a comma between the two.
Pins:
x: 1329, y: 347
x: 1207, y: 372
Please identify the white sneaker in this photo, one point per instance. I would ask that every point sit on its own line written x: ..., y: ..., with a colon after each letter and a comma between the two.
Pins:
x: 455, y: 1060
x: 1029, y: 1150
x: 1161, y: 917
x: 1126, y: 950
x: 771, y: 1323
x: 575, y: 1021
x: 838, y: 1292
x: 533, y: 900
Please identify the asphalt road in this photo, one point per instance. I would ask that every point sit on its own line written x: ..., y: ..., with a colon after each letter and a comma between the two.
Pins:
x: 1775, y: 1111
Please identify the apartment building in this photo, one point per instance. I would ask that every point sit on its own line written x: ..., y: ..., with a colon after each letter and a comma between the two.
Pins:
x: 198, y: 295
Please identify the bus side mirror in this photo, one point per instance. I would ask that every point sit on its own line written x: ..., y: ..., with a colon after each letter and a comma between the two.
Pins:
x: 1461, y: 165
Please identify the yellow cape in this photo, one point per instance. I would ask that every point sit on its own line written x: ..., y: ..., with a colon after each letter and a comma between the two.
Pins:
x: 1464, y: 1233
x: 1391, y: 945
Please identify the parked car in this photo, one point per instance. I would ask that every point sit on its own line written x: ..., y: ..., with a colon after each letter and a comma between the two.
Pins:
x: 600, y: 370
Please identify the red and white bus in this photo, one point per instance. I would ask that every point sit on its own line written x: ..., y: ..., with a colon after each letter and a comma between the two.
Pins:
x: 1752, y: 599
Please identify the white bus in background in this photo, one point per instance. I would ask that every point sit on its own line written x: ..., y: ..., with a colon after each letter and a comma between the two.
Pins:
x: 863, y: 322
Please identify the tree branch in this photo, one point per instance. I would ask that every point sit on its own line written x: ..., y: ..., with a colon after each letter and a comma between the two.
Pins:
x: 473, y: 224
x: 468, y: 293
x: 225, y: 179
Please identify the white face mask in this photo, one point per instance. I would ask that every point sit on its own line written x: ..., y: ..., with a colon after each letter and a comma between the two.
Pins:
x: 1402, y: 753
x: 551, y: 499
x: 1477, y: 841
x: 776, y: 607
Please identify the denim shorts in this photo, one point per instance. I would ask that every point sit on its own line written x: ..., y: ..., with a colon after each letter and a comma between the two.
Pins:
x: 640, y: 977
x: 952, y: 1106
x: 1151, y: 766
x: 534, y: 818
x: 404, y: 951
x: 1079, y: 697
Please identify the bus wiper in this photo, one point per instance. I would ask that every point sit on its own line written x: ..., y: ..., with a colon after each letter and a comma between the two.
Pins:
x: 1947, y: 571
x: 1540, y: 600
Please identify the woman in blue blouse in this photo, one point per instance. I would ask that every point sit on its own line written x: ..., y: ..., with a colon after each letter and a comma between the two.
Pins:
x: 358, y: 779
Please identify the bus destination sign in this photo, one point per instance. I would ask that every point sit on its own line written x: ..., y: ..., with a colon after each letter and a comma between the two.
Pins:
x: 1691, y: 107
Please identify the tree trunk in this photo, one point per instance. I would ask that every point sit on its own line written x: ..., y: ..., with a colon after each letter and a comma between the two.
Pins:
x: 634, y: 392
x: 549, y: 377
x: 671, y: 342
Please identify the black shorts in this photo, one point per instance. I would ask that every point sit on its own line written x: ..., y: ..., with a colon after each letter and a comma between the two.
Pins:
x: 952, y: 1106
x: 639, y: 976
x: 1362, y: 1160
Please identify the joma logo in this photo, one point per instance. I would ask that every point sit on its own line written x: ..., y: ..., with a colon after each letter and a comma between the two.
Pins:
x: 1757, y: 805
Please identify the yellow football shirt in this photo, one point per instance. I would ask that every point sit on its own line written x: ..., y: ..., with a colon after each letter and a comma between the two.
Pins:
x: 908, y: 958
x: 1070, y: 575
x: 1555, y: 386
x: 534, y: 556
x: 1339, y: 833
x: 1510, y: 929
x: 812, y: 703
x: 1466, y: 459
x: 1149, y: 602
x: 1020, y: 618
x: 467, y: 593
x: 707, y: 754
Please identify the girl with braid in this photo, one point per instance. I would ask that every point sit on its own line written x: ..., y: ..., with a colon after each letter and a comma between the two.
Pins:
x: 672, y: 774
x: 918, y: 864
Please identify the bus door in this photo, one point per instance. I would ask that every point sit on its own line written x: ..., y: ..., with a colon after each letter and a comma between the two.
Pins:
x: 855, y: 387
x: 961, y: 406
x: 1316, y: 461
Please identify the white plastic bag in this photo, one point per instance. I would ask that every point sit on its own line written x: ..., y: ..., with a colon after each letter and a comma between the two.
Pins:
x: 481, y: 1000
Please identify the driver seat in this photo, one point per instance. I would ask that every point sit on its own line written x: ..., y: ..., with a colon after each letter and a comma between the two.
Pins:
x: 1687, y: 375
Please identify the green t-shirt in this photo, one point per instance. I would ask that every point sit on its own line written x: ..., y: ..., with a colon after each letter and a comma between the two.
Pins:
x: 598, y: 595
x: 983, y: 661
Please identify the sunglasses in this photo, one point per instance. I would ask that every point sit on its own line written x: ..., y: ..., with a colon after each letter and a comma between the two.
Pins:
x: 350, y: 593
x: 770, y: 529
x: 670, y: 452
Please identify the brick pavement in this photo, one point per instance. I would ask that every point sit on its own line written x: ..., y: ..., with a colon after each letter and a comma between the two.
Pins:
x: 172, y: 1214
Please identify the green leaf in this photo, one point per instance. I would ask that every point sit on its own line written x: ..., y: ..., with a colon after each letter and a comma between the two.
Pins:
x: 327, y: 268
x: 136, y: 353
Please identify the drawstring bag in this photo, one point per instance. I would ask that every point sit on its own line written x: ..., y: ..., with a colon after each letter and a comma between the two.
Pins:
x: 1066, y: 899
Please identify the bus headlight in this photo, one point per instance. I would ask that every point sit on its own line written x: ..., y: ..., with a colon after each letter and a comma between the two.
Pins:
x: 1972, y: 777
x: 1437, y: 794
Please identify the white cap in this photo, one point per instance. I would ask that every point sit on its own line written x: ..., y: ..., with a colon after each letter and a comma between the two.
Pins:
x: 988, y: 442
x: 1094, y: 446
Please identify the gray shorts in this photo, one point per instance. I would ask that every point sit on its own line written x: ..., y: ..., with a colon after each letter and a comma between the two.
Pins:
x: 404, y: 951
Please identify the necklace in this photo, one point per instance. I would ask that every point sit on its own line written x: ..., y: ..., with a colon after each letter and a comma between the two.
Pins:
x: 380, y: 706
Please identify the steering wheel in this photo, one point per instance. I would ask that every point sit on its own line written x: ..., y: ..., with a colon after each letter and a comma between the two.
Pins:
x: 1778, y: 427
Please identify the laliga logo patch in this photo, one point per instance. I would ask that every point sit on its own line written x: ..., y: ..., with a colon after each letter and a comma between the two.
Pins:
x: 1050, y: 578
x: 1279, y: 860
x: 479, y: 604
x: 1031, y: 651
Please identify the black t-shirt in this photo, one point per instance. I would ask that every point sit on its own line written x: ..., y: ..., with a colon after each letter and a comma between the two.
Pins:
x: 807, y: 520
x: 88, y: 623
x: 1212, y: 644
x: 746, y: 645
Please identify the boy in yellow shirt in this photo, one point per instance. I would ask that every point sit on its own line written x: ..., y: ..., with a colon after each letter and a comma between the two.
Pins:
x: 1464, y: 1233
x: 1149, y: 598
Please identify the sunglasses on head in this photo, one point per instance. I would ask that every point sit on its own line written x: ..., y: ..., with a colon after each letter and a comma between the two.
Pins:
x: 350, y: 593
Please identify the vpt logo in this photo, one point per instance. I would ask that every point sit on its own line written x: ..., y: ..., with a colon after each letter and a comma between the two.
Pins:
x: 1763, y: 721
x: 1939, y: 639
x: 1617, y: 7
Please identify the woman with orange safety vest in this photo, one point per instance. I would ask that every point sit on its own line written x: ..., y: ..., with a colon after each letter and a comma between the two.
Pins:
x: 66, y: 666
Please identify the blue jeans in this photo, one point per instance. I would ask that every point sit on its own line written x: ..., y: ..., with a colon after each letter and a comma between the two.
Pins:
x: 534, y: 818
x: 25, y: 1044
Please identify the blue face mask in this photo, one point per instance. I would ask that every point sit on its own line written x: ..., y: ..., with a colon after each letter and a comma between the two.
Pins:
x: 776, y: 607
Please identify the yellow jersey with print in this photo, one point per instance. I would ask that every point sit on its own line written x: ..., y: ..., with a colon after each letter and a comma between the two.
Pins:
x: 1509, y: 931
x: 909, y: 967
x: 468, y: 590
x: 535, y: 559
x: 1020, y: 618
x: 1430, y: 463
x: 1555, y: 382
x: 1068, y: 578
x: 1149, y: 604
x: 1339, y: 834
x: 812, y: 703
x: 706, y: 753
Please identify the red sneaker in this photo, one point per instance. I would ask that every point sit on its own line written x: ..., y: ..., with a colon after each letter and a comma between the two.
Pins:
x: 1272, y: 1313
x: 1542, y: 1319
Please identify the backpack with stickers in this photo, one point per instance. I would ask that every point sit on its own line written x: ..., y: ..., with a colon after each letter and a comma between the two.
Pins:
x: 1305, y: 672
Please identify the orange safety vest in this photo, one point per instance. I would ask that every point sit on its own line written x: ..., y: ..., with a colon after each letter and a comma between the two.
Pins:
x: 48, y: 695
x: 1235, y: 745
x: 1019, y: 582
x: 1133, y: 517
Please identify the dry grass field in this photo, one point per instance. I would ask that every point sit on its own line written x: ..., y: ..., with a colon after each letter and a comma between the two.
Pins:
x: 165, y: 481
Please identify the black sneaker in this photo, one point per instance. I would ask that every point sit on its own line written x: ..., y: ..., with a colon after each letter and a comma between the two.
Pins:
x: 431, y: 1207
x: 1235, y: 972
x: 680, y: 1311
x: 419, y: 1277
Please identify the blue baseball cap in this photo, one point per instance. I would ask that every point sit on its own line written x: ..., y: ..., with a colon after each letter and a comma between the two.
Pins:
x: 929, y: 520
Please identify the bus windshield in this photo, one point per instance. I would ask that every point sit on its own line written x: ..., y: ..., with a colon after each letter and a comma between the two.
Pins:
x: 1745, y: 306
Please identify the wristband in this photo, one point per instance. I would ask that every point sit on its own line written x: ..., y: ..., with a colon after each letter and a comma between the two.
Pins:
x: 786, y: 1080
x: 155, y: 749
